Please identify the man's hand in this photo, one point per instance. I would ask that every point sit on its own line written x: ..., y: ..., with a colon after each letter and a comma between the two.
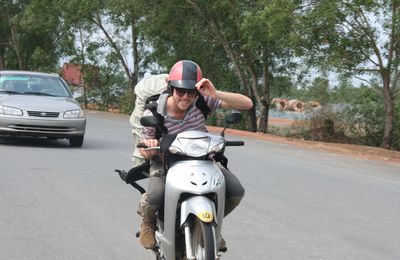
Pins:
x: 206, y: 88
x: 147, y: 154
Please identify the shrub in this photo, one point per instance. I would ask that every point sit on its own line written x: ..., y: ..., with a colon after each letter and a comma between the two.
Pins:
x: 365, y: 118
x: 126, y: 102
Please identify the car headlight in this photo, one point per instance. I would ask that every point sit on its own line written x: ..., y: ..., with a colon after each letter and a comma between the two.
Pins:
x: 10, y: 111
x: 74, y: 114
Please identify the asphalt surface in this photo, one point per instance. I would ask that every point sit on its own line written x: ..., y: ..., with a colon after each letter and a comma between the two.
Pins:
x: 58, y: 202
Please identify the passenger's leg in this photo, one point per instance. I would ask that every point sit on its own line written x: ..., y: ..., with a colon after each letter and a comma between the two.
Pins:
x: 150, y: 202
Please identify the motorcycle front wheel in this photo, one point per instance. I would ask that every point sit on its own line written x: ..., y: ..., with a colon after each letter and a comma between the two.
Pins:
x: 203, y: 244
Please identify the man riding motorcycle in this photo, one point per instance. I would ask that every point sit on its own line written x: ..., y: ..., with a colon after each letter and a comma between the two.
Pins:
x: 185, y: 85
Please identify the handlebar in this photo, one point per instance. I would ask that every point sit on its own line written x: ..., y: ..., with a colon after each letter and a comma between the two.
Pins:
x: 227, y: 143
x: 234, y: 143
x: 142, y: 145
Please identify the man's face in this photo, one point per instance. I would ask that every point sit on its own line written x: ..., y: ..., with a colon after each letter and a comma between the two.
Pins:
x: 184, y: 97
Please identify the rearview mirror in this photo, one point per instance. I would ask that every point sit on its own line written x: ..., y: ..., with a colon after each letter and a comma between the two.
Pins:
x: 233, y: 118
x: 151, y: 121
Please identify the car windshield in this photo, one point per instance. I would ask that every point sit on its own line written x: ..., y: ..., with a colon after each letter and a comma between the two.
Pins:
x: 23, y: 84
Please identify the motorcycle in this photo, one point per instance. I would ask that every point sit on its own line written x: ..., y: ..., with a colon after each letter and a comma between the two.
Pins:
x: 190, y: 222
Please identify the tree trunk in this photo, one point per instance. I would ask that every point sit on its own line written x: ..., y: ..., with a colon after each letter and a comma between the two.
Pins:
x: 82, y: 67
x: 16, y: 48
x: 263, y: 124
x: 135, y: 74
x: 117, y: 50
x: 84, y: 86
x: 240, y: 73
x: 251, y: 122
x: 2, y: 60
x: 389, y: 112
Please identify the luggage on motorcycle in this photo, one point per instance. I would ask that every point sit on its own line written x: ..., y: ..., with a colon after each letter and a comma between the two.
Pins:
x: 148, y: 87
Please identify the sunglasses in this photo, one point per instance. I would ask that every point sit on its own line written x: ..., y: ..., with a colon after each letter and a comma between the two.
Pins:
x: 190, y: 92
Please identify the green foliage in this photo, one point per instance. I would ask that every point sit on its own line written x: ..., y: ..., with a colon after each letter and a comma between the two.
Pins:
x: 327, y: 124
x: 396, y: 127
x: 248, y: 42
x: 357, y: 119
x: 364, y: 117
x: 181, y: 33
x: 365, y: 122
x: 356, y: 38
x: 344, y: 93
x: 30, y: 35
x: 42, y: 61
x: 319, y: 90
x: 282, y: 87
x: 105, y: 86
x: 354, y: 117
x: 125, y: 102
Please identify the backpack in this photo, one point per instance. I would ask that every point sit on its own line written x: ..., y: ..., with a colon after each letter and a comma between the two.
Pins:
x: 147, y: 92
x: 144, y: 89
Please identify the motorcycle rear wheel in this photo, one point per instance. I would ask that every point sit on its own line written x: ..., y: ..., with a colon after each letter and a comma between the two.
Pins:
x: 203, y: 244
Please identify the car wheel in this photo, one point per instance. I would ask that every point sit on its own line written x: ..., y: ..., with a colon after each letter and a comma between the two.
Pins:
x: 76, y: 141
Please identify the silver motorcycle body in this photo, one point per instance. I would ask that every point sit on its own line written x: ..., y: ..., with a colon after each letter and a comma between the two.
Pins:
x: 194, y: 199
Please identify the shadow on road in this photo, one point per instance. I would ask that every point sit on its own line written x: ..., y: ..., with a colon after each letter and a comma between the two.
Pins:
x: 42, y: 142
x: 34, y: 142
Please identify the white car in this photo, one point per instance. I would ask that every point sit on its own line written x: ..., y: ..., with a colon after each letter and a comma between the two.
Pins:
x: 39, y: 104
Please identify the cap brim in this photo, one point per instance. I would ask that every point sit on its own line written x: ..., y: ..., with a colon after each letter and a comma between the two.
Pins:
x: 186, y: 84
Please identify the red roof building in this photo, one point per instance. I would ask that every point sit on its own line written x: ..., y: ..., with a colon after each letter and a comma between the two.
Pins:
x: 73, y: 75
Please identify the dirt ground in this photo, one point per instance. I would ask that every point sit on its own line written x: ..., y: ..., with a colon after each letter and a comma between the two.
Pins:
x: 372, y: 153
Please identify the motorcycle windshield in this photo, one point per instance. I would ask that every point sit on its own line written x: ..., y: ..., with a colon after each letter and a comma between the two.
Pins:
x: 196, y: 144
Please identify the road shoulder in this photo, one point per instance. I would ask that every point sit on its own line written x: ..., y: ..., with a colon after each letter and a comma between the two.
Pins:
x: 366, y: 152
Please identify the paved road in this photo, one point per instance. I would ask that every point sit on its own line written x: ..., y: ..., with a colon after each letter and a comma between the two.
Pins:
x: 58, y: 202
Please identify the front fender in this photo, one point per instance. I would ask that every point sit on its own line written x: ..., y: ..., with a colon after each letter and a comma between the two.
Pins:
x: 201, y: 207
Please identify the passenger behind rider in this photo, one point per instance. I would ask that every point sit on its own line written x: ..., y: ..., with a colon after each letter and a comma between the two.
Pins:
x: 185, y: 83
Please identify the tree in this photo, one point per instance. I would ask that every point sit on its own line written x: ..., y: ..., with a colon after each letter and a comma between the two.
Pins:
x: 115, y: 29
x: 29, y: 35
x: 178, y: 33
x: 282, y: 86
x: 111, y: 84
x: 3, y: 33
x: 319, y: 90
x: 359, y: 38
x: 253, y: 35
